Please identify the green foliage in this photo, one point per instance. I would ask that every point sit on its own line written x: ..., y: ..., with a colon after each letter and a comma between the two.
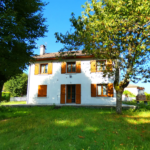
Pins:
x: 148, y: 96
x: 21, y: 24
x: 17, y: 85
x: 114, y: 29
x: 130, y: 94
x: 5, y: 96
x: 141, y: 106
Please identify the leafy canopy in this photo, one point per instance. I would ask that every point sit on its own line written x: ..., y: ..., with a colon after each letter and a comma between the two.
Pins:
x: 21, y: 24
x: 17, y: 85
x: 117, y: 29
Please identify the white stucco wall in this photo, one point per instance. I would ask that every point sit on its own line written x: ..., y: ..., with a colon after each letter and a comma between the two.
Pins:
x: 54, y: 81
x: 132, y: 90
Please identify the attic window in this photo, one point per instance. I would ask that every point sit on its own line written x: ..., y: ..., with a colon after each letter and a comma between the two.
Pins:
x: 44, y: 68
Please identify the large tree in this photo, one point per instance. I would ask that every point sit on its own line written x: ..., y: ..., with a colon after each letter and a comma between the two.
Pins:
x: 17, y: 85
x: 118, y: 30
x: 21, y: 23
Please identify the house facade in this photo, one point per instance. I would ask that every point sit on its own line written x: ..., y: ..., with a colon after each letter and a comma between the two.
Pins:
x: 132, y: 88
x: 73, y: 80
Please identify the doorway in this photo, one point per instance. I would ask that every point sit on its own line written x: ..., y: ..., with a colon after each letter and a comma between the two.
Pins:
x: 71, y: 93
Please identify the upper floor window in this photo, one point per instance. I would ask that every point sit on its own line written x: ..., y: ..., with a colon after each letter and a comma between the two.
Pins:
x: 100, y: 65
x: 44, y: 68
x: 71, y: 67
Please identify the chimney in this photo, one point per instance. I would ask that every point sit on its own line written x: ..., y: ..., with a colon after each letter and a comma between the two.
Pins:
x: 42, y: 49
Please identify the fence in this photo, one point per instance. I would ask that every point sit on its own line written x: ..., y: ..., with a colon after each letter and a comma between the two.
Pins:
x: 124, y: 98
x: 18, y: 98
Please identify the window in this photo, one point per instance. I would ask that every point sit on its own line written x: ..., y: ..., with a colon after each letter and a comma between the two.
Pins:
x: 44, y: 68
x: 42, y: 91
x: 100, y: 65
x: 71, y: 67
x: 102, y: 90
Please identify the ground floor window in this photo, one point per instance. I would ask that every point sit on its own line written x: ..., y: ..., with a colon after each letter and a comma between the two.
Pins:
x: 102, y: 90
x: 42, y: 90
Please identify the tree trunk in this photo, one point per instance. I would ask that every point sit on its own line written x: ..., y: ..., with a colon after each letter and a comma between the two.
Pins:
x: 119, y: 102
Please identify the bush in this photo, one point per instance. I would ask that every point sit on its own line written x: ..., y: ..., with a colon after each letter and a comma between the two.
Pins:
x: 17, y: 85
x: 5, y: 96
x: 147, y: 96
x: 126, y: 92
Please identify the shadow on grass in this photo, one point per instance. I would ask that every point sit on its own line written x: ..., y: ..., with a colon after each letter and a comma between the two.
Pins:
x: 8, y: 112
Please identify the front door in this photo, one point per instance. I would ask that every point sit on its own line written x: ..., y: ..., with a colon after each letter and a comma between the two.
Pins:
x: 71, y: 93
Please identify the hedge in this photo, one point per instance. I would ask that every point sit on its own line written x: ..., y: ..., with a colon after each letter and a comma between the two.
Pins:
x: 147, y: 96
x: 5, y: 96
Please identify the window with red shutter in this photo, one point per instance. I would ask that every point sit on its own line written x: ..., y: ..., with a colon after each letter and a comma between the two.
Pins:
x: 42, y: 91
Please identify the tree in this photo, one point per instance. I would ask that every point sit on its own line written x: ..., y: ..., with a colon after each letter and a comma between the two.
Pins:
x: 17, y: 85
x: 118, y: 30
x: 21, y: 23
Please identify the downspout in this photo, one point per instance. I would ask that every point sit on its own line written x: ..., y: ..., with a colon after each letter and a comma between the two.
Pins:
x: 28, y: 86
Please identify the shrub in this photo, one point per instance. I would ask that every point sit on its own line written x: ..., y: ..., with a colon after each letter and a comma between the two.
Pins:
x: 5, y: 96
x: 126, y: 92
x: 147, y: 96
x: 17, y: 85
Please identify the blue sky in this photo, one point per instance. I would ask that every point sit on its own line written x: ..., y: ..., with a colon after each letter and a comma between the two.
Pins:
x: 58, y: 14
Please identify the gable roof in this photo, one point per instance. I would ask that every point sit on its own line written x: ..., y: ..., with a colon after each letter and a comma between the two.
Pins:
x: 132, y: 86
x: 57, y: 54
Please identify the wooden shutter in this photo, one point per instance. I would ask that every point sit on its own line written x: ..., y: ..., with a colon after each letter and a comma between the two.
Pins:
x: 50, y: 68
x: 93, y: 90
x: 110, y: 90
x: 63, y: 67
x: 78, y: 93
x: 93, y: 65
x: 42, y: 90
x: 109, y: 65
x: 78, y: 66
x: 36, y: 71
x: 62, y: 95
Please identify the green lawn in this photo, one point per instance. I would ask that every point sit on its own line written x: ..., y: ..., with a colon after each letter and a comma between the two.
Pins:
x: 46, y: 128
x: 12, y: 103
x: 134, y: 102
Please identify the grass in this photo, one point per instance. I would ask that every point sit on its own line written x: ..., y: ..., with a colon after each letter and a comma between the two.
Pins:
x: 12, y: 102
x: 134, y: 102
x: 69, y: 128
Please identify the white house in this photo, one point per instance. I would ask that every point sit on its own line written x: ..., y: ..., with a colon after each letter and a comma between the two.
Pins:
x: 132, y: 88
x: 74, y: 80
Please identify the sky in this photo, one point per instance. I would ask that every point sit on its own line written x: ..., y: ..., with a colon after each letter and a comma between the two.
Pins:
x: 58, y: 13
